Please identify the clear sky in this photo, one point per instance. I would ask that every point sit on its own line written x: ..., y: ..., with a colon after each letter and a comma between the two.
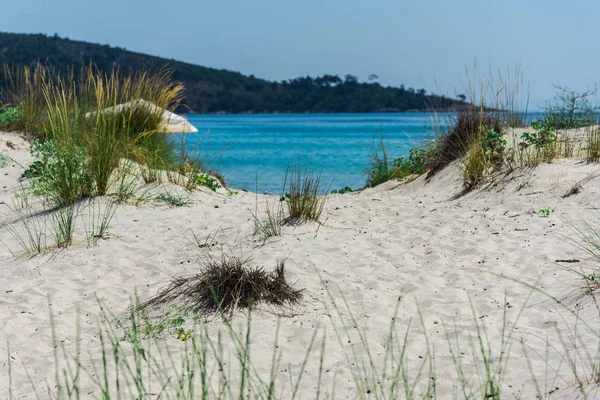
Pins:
x: 418, y: 43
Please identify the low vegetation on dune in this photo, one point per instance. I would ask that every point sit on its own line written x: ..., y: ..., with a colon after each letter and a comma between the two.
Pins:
x: 87, y: 145
x: 87, y: 161
x: 495, y: 137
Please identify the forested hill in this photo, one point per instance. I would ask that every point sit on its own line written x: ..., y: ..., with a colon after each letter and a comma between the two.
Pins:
x: 210, y: 90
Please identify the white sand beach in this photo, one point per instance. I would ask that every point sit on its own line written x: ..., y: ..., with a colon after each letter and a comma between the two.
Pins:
x: 410, y: 242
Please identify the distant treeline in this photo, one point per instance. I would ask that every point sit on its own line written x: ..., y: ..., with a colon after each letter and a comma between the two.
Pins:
x: 209, y: 90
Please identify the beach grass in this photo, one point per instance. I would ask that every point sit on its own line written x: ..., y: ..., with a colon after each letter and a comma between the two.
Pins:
x: 138, y: 360
x: 305, y: 196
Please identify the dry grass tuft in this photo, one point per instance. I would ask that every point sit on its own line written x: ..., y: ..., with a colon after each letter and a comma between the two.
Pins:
x: 226, y: 285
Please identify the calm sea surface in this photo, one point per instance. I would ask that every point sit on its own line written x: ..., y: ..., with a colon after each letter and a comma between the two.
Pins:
x: 337, y: 143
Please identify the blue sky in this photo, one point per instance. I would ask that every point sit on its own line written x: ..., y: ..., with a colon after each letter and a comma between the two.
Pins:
x: 418, y: 43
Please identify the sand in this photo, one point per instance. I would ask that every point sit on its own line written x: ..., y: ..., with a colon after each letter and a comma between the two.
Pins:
x: 411, y: 242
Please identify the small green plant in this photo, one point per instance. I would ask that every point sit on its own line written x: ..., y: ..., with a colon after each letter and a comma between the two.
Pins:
x: 206, y: 181
x: 4, y: 160
x: 593, y: 279
x: 44, y: 153
x: 10, y: 118
x: 494, y: 144
x: 59, y: 175
x: 544, y: 134
x: 345, y: 189
x: 172, y: 200
x: 417, y: 162
x: 231, y: 192
x: 544, y: 212
x: 173, y: 323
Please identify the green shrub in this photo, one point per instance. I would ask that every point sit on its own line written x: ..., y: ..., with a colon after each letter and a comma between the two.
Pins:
x: 345, y: 189
x: 59, y: 175
x: 24, y: 89
x: 10, y: 118
x: 493, y: 144
x: 544, y: 134
x: 44, y: 153
x: 571, y: 109
x: 418, y: 161
x: 206, y: 181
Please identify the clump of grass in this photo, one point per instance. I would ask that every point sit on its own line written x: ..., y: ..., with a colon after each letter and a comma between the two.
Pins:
x: 464, y: 132
x: 270, y: 224
x: 127, y: 184
x: 25, y: 92
x: 475, y: 164
x: 99, y: 216
x: 63, y: 224
x: 593, y: 144
x: 380, y: 169
x: 226, y: 285
x: 305, y: 198
x: 30, y: 230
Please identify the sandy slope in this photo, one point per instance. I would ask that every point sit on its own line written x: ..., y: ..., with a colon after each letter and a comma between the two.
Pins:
x: 374, y: 246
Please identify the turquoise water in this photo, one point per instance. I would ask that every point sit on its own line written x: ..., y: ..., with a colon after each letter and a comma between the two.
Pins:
x: 337, y: 143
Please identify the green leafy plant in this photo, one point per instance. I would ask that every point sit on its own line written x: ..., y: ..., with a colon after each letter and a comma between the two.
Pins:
x: 417, y: 162
x: 44, y: 153
x: 10, y: 118
x: 544, y: 212
x: 345, y: 189
x: 206, y: 181
x: 493, y: 145
x: 60, y: 176
x: 172, y: 200
x: 544, y: 134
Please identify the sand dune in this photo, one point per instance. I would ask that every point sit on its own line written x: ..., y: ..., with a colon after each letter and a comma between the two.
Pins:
x: 394, y: 241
